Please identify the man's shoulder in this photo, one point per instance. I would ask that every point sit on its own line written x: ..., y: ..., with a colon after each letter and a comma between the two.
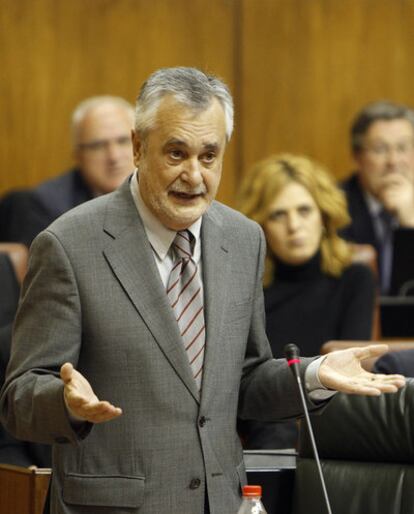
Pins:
x: 63, y: 180
x: 81, y: 220
x: 361, y: 229
x: 351, y: 184
x: 95, y: 206
x: 17, y: 199
x: 62, y: 192
x: 229, y: 217
x: 117, y: 207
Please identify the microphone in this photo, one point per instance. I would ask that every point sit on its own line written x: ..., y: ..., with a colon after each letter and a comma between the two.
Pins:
x: 293, y: 360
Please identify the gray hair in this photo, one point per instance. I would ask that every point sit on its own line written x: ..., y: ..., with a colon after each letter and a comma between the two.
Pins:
x: 383, y: 110
x: 189, y: 86
x: 86, y: 105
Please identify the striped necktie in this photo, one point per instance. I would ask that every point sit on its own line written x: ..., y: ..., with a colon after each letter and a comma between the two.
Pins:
x: 185, y: 295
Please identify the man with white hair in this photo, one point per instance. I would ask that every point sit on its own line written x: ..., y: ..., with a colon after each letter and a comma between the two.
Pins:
x: 140, y: 333
x: 102, y: 149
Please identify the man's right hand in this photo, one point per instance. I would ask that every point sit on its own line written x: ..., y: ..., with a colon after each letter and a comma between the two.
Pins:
x: 397, y: 196
x: 81, y: 402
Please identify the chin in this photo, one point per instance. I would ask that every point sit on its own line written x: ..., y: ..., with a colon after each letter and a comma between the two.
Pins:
x: 298, y: 260
x: 177, y: 221
x: 188, y: 213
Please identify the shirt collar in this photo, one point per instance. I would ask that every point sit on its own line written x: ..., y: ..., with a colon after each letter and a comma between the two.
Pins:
x: 159, y: 236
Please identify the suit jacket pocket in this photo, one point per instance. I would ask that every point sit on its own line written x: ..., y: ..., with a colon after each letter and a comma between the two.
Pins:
x: 103, y: 490
x: 239, y: 310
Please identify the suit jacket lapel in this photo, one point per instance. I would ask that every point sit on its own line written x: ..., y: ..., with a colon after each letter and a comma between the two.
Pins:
x: 363, y: 227
x: 131, y: 259
x: 216, y: 263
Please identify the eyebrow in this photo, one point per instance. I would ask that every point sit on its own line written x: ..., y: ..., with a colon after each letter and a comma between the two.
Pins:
x: 297, y: 206
x: 210, y: 147
x: 174, y: 141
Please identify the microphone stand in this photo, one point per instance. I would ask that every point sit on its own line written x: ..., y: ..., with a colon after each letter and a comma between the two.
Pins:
x: 292, y: 356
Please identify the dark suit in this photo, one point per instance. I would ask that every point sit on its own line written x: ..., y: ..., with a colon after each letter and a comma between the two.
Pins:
x: 93, y: 296
x: 401, y: 362
x: 9, y: 291
x: 25, y: 213
x: 12, y: 451
x: 361, y: 230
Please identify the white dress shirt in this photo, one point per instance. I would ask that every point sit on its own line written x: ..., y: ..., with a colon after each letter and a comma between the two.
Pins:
x: 161, y: 239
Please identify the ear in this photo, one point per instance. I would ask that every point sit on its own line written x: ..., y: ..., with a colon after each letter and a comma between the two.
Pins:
x: 356, y: 157
x: 77, y: 154
x: 137, y: 147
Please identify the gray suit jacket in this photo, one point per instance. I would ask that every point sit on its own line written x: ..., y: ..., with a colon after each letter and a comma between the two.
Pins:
x: 93, y: 296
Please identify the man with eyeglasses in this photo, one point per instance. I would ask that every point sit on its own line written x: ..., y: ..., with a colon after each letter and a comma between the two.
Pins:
x: 380, y: 193
x: 102, y: 148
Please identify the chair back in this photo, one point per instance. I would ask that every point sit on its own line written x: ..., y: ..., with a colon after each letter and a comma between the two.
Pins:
x: 366, y: 254
x: 23, y: 490
x: 367, y: 454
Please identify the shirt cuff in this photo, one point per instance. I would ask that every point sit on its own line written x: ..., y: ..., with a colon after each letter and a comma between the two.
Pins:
x: 314, y: 387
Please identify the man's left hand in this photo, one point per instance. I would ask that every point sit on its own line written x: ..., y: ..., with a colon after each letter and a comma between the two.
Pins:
x: 342, y: 371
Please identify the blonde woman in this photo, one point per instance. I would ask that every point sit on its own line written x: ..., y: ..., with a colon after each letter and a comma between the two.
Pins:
x: 313, y: 292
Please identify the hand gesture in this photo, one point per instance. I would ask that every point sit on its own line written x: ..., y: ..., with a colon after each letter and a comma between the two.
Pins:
x: 342, y: 371
x: 81, y: 401
x: 397, y: 196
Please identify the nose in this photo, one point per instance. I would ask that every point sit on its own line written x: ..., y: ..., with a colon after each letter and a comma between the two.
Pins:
x: 393, y: 157
x: 192, y: 172
x: 293, y: 221
x: 114, y: 151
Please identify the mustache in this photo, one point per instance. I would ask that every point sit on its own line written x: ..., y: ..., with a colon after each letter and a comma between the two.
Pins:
x: 184, y: 188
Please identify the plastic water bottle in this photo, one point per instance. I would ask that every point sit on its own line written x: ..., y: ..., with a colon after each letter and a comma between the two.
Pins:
x: 252, y: 503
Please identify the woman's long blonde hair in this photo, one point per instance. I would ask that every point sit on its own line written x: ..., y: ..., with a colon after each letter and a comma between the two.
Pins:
x: 265, y: 181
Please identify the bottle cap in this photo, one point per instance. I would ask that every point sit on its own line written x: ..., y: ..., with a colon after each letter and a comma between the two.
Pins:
x: 252, y: 490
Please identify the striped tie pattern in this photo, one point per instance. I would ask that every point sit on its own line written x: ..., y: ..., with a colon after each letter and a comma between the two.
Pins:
x: 185, y: 295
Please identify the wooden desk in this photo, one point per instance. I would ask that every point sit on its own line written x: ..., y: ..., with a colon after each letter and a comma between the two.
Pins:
x: 274, y: 470
x: 23, y: 490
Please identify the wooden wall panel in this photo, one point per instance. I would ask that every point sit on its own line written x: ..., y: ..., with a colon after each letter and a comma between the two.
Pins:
x: 309, y: 65
x: 299, y: 69
x: 54, y: 53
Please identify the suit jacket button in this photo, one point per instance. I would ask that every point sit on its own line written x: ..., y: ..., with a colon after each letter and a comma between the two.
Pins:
x: 195, y: 483
x: 202, y: 421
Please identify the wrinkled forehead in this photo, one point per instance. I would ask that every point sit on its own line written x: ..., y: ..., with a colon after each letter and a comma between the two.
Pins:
x: 176, y: 120
x: 103, y: 121
x: 390, y: 130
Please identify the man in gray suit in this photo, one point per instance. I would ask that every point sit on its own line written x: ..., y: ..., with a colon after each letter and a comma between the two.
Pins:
x: 140, y: 405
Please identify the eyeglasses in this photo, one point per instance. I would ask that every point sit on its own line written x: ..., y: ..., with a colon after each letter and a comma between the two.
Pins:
x: 402, y: 149
x: 101, y: 145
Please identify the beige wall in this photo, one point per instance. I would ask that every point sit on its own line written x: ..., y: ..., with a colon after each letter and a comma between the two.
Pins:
x: 299, y: 70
